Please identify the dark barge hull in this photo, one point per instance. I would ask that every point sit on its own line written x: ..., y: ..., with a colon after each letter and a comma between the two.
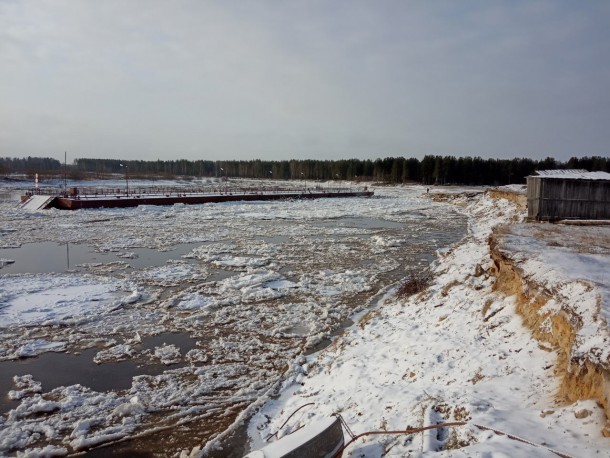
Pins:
x: 76, y: 203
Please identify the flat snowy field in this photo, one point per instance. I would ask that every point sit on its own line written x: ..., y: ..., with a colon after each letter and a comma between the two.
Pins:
x: 259, y: 284
x: 456, y: 352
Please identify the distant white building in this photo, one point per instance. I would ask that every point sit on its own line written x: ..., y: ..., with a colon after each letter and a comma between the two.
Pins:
x: 568, y: 194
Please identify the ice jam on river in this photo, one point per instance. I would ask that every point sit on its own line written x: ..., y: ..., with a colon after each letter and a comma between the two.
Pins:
x: 198, y: 331
x: 98, y: 347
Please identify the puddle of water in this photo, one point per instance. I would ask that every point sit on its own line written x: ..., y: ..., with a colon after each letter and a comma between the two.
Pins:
x: 64, y: 369
x: 218, y: 274
x: 288, y: 274
x: 274, y: 239
x: 299, y: 329
x: 360, y: 223
x: 50, y: 257
x: 10, y: 196
x: 147, y: 257
x: 327, y: 341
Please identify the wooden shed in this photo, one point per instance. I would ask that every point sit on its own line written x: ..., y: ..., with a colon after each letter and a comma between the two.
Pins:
x: 568, y: 194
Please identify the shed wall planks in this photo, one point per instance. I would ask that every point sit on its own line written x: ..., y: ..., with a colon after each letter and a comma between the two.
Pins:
x: 554, y: 198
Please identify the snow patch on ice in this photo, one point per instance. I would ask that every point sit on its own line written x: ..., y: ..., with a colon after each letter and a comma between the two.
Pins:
x: 115, y: 353
x: 281, y: 284
x: 386, y: 242
x: 172, y: 272
x: 26, y: 385
x: 168, y: 354
x: 49, y: 299
x: 194, y: 301
x: 6, y: 262
x: 38, y: 346
x: 237, y: 261
x: 328, y: 283
x: 84, y: 418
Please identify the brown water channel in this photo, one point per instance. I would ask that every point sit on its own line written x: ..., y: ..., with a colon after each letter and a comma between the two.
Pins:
x: 64, y: 369
x: 49, y: 257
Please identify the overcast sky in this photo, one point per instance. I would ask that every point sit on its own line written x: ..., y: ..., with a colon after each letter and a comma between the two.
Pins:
x: 283, y: 79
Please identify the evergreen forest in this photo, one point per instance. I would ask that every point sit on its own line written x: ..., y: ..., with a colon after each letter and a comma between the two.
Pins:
x: 432, y: 169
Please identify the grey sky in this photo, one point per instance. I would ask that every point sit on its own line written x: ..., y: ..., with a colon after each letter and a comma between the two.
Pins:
x: 287, y: 79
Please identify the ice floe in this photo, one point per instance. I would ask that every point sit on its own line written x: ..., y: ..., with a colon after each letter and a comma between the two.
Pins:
x: 47, y: 299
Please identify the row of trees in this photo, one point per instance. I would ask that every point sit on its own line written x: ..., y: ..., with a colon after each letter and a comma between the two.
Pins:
x: 429, y: 170
x: 29, y: 165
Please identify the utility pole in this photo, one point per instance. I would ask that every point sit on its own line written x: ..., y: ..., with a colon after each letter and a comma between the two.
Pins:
x: 126, y: 178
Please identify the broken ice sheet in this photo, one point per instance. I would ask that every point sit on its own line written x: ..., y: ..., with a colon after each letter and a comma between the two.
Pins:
x: 292, y: 282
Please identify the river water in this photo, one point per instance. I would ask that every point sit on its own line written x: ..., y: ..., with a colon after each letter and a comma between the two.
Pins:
x: 188, y: 314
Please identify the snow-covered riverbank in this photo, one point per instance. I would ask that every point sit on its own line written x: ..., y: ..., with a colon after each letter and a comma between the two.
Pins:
x: 457, y: 351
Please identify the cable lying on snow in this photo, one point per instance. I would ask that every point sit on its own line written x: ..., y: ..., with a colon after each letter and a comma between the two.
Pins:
x: 303, y: 446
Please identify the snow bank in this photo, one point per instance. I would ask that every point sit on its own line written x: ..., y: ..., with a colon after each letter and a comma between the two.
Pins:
x: 570, y: 262
x: 562, y: 272
x: 457, y: 351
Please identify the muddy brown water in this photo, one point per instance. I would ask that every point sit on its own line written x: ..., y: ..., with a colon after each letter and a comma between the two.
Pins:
x: 54, y: 370
x: 51, y: 257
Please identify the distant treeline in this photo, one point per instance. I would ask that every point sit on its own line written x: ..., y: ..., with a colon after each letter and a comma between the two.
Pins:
x: 29, y: 165
x: 429, y: 170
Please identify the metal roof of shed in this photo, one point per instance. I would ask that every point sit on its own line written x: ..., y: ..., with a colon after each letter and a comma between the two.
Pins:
x: 574, y: 174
